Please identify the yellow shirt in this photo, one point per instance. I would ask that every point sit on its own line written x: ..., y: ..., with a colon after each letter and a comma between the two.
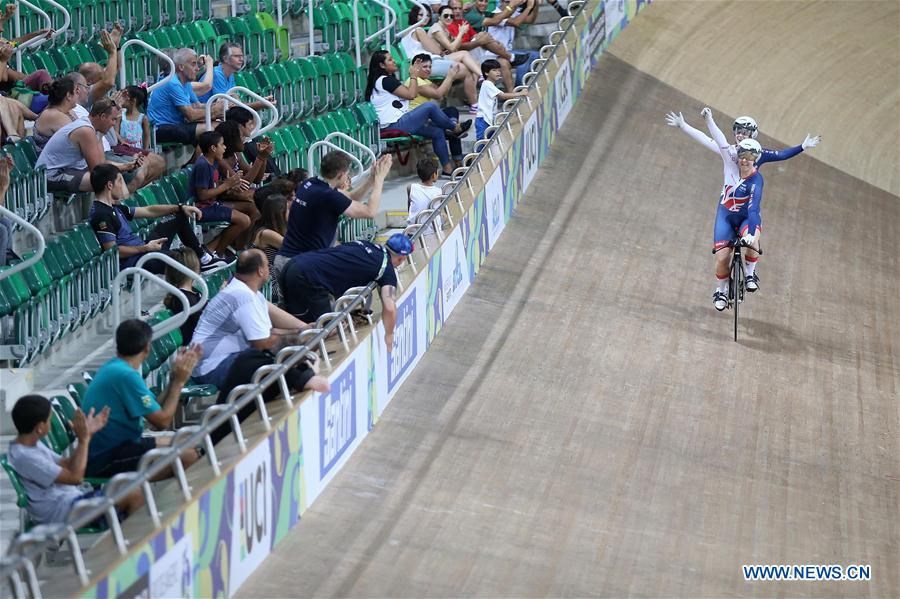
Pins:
x: 420, y: 99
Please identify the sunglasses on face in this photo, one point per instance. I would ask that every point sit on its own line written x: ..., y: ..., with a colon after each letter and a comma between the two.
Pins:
x: 447, y: 16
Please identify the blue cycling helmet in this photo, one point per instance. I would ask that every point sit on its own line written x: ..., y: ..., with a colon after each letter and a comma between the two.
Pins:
x: 400, y: 244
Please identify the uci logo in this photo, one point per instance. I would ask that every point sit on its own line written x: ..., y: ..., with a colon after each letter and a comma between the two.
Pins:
x: 253, y: 508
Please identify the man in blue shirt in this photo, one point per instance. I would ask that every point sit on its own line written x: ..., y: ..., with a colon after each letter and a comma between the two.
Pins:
x: 311, y: 279
x: 231, y: 60
x: 174, y: 108
x: 118, y: 385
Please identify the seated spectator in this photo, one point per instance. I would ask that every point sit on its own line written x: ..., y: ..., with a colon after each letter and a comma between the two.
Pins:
x: 478, y: 43
x: 244, y: 118
x: 111, y: 223
x: 119, y: 386
x: 418, y: 41
x: 204, y: 185
x: 302, y: 377
x: 429, y: 92
x: 311, y: 279
x: 75, y: 149
x: 58, y: 112
x: 13, y: 114
x: 391, y: 101
x: 239, y: 318
x: 54, y: 483
x: 313, y: 220
x: 231, y: 60
x: 241, y: 197
x: 268, y: 234
x: 186, y: 257
x: 502, y: 25
x: 281, y: 186
x: 133, y: 128
x: 6, y: 225
x: 297, y: 175
x: 421, y: 194
x: 488, y: 96
x: 174, y: 109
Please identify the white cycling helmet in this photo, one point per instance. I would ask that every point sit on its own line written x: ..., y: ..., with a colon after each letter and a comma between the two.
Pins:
x: 746, y: 123
x: 750, y: 145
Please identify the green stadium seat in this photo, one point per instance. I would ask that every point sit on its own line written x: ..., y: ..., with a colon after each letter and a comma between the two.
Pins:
x: 321, y: 83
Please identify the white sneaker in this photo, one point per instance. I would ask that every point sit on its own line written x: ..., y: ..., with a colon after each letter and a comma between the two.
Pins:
x: 720, y: 300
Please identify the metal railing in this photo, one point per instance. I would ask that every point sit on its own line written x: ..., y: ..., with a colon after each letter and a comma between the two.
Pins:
x: 390, y: 18
x: 37, y: 41
x: 327, y: 143
x: 26, y: 550
x: 228, y: 98
x: 38, y: 250
x: 123, y: 79
x: 139, y: 272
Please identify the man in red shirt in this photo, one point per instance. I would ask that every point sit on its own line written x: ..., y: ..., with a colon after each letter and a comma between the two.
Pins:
x: 483, y: 39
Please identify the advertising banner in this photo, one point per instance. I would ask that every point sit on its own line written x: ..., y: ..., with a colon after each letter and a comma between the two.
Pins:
x: 251, y: 524
x: 564, y: 92
x: 495, y: 207
x: 454, y: 271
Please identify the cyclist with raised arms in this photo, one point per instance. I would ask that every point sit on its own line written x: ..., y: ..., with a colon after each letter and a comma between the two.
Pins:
x: 744, y: 127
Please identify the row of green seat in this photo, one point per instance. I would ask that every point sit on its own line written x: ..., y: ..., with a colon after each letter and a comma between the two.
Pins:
x: 68, y: 285
x: 27, y: 193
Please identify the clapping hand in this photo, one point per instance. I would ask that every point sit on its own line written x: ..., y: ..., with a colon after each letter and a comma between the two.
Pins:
x: 265, y: 147
x: 186, y: 359
x: 811, y: 141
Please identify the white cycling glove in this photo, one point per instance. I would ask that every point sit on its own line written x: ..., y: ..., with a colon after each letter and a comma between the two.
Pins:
x: 749, y: 239
x: 706, y: 112
x: 675, y: 120
x: 811, y: 141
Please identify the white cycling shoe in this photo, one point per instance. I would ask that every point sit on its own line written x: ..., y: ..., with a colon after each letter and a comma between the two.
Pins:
x: 720, y: 300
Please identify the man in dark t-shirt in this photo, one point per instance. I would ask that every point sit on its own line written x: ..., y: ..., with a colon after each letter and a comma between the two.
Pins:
x: 111, y: 222
x: 310, y: 280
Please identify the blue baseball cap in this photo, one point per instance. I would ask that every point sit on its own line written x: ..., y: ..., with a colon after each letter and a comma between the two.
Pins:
x: 400, y: 244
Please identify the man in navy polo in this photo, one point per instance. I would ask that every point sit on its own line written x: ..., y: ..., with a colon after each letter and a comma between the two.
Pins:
x: 311, y: 279
x: 320, y: 202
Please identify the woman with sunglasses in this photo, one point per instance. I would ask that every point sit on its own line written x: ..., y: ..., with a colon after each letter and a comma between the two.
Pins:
x: 390, y: 98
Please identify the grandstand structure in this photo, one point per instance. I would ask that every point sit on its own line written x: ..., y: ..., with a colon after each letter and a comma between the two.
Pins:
x: 66, y: 294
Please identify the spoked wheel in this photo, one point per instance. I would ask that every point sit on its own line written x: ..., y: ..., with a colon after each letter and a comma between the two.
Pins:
x: 737, y: 291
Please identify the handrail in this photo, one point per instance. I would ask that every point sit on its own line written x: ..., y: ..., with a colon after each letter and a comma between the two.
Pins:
x: 123, y: 80
x: 158, y: 331
x: 165, y: 258
x: 389, y: 12
x: 37, y: 41
x: 420, y: 23
x: 327, y: 142
x: 287, y: 358
x: 312, y: 32
x: 39, y: 250
x: 229, y: 98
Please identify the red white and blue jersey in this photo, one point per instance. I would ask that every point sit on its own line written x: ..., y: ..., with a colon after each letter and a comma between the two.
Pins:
x: 739, y: 210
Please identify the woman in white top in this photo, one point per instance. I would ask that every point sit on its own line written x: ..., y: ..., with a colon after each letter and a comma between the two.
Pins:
x: 390, y: 98
x: 418, y: 41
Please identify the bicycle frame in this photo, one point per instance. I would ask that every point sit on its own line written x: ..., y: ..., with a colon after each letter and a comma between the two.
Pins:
x: 737, y: 280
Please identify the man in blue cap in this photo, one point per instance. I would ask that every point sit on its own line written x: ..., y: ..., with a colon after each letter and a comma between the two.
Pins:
x: 311, y: 279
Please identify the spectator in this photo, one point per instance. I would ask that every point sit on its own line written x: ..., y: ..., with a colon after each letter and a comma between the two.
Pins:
x: 281, y: 186
x: 268, y: 235
x: 186, y: 257
x: 175, y: 110
x: 418, y: 41
x: 487, y: 97
x: 118, y: 385
x: 391, y: 101
x: 111, y: 223
x: 53, y: 483
x: 75, y: 149
x: 231, y: 60
x: 239, y: 318
x: 58, y: 113
x: 420, y: 195
x: 502, y: 25
x: 13, y: 114
x: 244, y: 118
x: 204, y: 185
x: 241, y: 197
x: 310, y: 280
x: 297, y: 175
x: 133, y: 128
x: 101, y: 80
x: 428, y: 92
x: 6, y: 225
x: 302, y: 377
x: 313, y: 220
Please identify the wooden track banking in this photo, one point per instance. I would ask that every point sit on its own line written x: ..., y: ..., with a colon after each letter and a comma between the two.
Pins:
x: 584, y: 424
x: 826, y: 66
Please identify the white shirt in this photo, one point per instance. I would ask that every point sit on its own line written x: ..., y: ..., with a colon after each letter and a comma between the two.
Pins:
x: 388, y: 106
x: 420, y: 197
x: 487, y: 101
x: 503, y: 33
x: 231, y: 320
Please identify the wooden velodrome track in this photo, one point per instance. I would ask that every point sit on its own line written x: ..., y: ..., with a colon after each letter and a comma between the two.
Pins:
x: 584, y: 424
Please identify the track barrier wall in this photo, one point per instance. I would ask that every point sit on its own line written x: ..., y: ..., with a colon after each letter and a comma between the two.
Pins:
x: 210, y: 546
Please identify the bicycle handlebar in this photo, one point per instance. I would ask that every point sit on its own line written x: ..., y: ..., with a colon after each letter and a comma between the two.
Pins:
x: 738, y: 243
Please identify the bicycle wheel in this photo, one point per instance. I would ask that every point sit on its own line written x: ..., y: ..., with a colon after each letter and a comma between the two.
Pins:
x: 737, y: 273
